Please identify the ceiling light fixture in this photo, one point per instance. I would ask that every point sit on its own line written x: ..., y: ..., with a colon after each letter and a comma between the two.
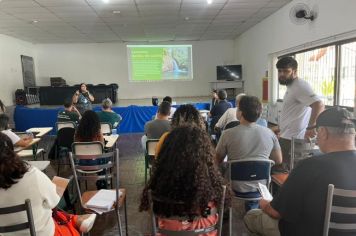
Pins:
x: 116, y: 12
x: 186, y: 18
x: 34, y: 21
x: 209, y: 1
x: 105, y: 1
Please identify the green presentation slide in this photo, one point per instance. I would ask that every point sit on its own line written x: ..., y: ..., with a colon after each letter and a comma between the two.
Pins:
x: 160, y: 62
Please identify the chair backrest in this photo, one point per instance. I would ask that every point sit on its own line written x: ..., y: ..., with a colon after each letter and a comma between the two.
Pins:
x: 340, y: 211
x: 65, y: 137
x: 245, y: 174
x: 300, y: 149
x: 151, y: 147
x: 105, y: 128
x: 26, y: 225
x: 231, y: 124
x: 88, y: 148
x: 60, y: 125
x: 89, y: 167
x: 217, y: 227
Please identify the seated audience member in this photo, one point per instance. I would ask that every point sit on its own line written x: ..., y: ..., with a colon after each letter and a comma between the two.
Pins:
x: 184, y: 115
x: 2, y: 107
x: 108, y: 115
x: 219, y: 109
x: 214, y: 99
x: 89, y: 128
x: 20, y: 181
x: 173, y: 109
x: 299, y: 207
x: 229, y: 115
x: 15, y: 139
x: 155, y: 128
x: 186, y: 185
x: 248, y: 140
x: 70, y: 113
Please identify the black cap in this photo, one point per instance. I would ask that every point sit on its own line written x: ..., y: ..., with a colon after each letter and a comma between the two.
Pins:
x: 336, y: 117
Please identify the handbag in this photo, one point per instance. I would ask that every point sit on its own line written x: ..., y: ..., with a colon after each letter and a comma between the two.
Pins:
x: 64, y: 223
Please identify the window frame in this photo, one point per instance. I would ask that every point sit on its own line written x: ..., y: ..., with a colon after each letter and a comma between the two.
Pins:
x: 337, y: 71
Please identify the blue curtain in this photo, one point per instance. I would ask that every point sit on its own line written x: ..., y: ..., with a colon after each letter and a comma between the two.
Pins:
x: 133, y: 117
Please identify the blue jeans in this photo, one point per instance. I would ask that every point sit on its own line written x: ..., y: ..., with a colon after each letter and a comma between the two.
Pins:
x: 249, y: 205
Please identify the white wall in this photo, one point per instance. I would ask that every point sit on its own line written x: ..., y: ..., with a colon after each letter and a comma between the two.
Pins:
x: 255, y: 48
x: 107, y: 63
x: 11, y: 50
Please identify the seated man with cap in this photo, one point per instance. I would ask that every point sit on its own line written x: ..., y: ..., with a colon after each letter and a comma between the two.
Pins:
x: 299, y: 207
x: 108, y: 115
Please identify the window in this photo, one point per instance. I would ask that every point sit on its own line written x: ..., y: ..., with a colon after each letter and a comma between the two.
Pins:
x: 347, y: 74
x: 331, y: 75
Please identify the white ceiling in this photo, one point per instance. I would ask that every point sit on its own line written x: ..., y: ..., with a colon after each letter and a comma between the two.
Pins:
x: 93, y: 21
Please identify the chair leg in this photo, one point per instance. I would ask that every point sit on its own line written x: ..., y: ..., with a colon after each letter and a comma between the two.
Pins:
x: 127, y: 230
x: 118, y: 220
x: 230, y: 221
x: 146, y: 166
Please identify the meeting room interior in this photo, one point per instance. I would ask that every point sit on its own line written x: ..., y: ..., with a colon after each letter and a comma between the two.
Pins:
x: 177, y: 117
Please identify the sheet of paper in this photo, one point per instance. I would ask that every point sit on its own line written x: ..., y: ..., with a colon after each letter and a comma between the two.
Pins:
x: 102, y: 201
x: 264, y: 192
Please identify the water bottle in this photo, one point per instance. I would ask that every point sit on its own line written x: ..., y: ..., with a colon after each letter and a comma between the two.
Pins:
x: 114, y: 131
x: 29, y: 134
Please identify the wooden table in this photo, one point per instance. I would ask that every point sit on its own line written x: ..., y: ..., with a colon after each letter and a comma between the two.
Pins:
x: 41, y: 131
x: 34, y: 142
x: 111, y: 140
x: 61, y: 184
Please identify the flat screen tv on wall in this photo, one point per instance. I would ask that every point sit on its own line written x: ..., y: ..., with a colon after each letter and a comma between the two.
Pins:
x: 229, y: 72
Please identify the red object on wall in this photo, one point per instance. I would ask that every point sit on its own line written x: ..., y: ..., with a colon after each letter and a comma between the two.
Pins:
x: 265, y: 90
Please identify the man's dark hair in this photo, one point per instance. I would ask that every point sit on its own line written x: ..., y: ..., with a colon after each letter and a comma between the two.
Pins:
x: 222, y: 94
x: 167, y: 99
x: 287, y: 62
x: 251, y: 108
x: 67, y: 103
x: 164, y: 108
x: 4, y: 122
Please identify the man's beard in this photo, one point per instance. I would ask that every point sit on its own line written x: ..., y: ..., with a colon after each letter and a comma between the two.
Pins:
x: 286, y: 81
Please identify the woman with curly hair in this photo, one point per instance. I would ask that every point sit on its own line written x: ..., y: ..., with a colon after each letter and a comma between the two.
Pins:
x: 89, y: 128
x: 186, y: 185
x: 185, y: 115
x: 20, y: 181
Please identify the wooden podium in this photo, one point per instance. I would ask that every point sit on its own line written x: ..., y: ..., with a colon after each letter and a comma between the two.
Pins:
x: 232, y: 87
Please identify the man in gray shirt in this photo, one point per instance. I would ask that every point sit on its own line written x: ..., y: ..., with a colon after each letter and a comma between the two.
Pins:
x: 155, y: 128
x: 248, y: 140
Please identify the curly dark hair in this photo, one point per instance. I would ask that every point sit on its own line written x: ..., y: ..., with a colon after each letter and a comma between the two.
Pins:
x: 89, y: 127
x: 12, y: 168
x: 187, y: 115
x: 185, y: 175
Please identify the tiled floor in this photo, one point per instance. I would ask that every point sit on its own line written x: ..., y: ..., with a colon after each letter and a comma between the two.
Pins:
x: 132, y: 178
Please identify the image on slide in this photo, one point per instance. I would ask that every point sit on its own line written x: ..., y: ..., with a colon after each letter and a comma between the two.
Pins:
x: 175, y: 63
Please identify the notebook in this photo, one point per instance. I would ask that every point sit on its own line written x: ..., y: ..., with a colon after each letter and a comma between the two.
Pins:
x: 103, y: 200
x: 264, y: 192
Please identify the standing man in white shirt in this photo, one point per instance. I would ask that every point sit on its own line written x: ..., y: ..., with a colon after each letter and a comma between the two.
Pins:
x: 301, y: 107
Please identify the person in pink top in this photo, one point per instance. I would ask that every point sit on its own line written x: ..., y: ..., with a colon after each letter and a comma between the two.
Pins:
x: 186, y: 184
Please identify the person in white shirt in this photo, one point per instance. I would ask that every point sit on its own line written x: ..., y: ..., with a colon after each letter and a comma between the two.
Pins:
x: 301, y: 107
x: 20, y: 181
x: 15, y: 139
x: 229, y: 115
